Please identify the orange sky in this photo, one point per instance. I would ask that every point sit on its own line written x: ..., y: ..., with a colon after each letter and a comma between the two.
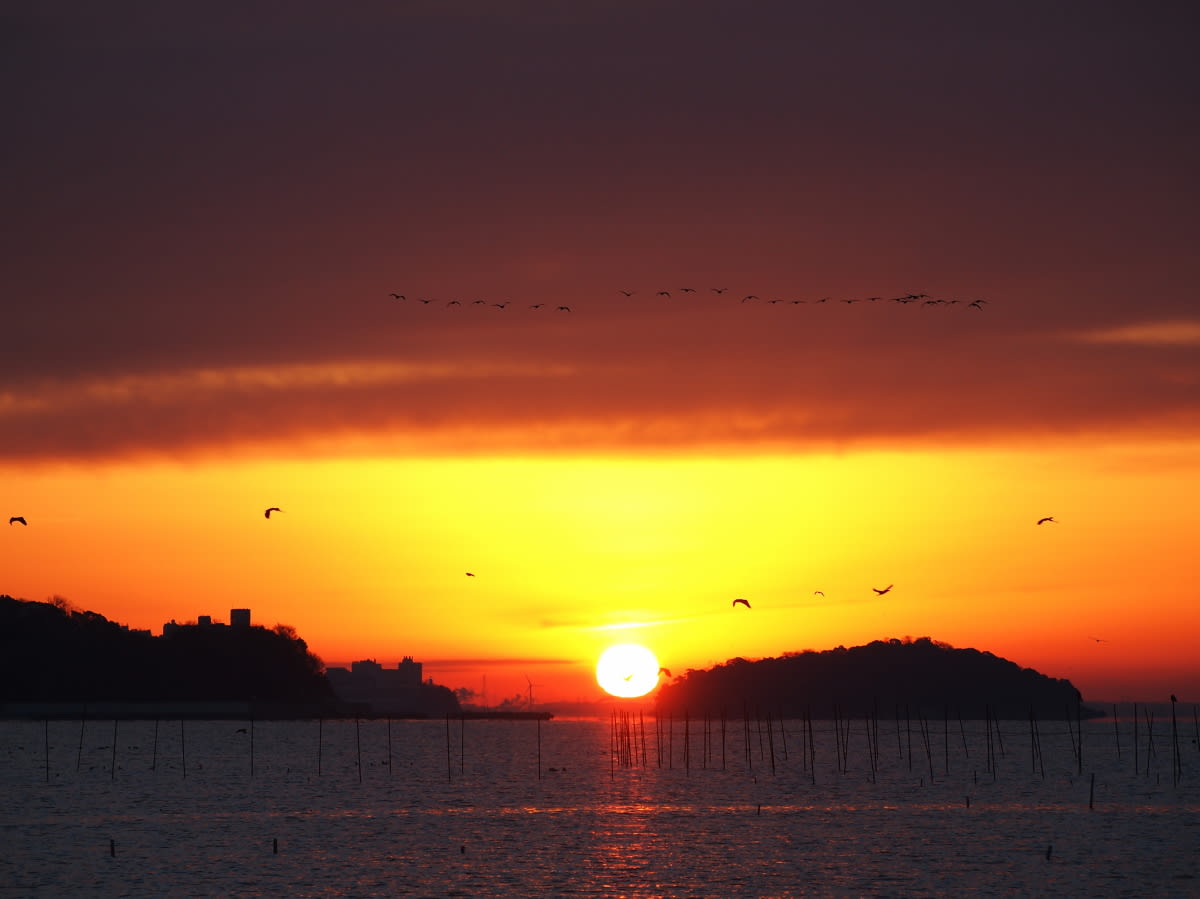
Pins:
x: 213, y: 212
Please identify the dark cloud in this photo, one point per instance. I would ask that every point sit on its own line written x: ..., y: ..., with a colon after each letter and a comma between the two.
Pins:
x: 193, y: 190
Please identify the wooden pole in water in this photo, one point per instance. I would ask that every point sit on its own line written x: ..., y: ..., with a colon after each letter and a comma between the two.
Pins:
x: 723, y: 718
x: 987, y: 719
x: 687, y: 742
x: 899, y: 745
x: 812, y: 746
x: 1135, y: 749
x: 612, y: 744
x: 389, y: 741
x: 771, y: 743
x: 183, y: 748
x: 1116, y: 732
x: 113, y: 763
x: 908, y: 729
x: 1176, y: 771
x: 539, y: 748
x: 46, y: 745
x: 252, y: 744
x: 449, y: 766
x: 1079, y: 728
x: 358, y: 748
x: 783, y: 733
x: 746, y: 736
x: 154, y: 757
x: 1149, y: 738
x: 79, y: 754
x: 462, y: 743
x: 320, y: 734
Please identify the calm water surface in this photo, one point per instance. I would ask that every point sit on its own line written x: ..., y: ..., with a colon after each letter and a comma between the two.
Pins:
x: 589, y: 808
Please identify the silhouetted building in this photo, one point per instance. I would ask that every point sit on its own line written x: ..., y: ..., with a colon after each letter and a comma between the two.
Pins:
x: 239, y: 618
x: 385, y: 690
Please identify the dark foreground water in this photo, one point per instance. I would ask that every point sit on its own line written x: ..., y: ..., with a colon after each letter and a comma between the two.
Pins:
x: 561, y: 808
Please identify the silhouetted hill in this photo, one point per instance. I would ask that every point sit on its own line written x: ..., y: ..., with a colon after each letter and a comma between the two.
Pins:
x: 923, y: 676
x: 51, y: 653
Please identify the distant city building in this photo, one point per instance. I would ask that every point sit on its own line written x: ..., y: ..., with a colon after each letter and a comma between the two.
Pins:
x: 238, y: 618
x: 384, y: 689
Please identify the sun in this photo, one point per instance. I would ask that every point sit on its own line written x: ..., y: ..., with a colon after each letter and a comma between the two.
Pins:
x: 627, y: 669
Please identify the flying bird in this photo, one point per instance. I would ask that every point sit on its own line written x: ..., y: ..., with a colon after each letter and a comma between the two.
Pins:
x: 267, y: 514
x: 563, y: 309
x: 744, y: 602
x: 663, y: 293
x: 627, y: 293
x: 1098, y: 639
x: 818, y: 593
x: 666, y: 671
x: 884, y: 590
x: 399, y: 296
x: 470, y: 574
x: 1047, y: 518
x: 19, y: 518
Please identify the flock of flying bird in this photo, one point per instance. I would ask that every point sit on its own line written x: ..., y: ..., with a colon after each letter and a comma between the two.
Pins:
x: 923, y: 299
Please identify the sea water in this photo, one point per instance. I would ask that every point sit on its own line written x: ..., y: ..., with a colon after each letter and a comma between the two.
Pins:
x: 618, y: 807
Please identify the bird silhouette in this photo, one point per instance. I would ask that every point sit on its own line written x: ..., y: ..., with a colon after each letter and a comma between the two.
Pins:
x: 1049, y: 518
x: 627, y: 293
x: 267, y: 514
x: 537, y: 305
x: 470, y: 574
x: 666, y: 671
x: 663, y: 293
x: 1098, y: 639
x: 563, y: 309
x: 399, y: 296
x: 818, y: 593
x: 744, y: 602
x: 18, y: 518
x: 884, y: 590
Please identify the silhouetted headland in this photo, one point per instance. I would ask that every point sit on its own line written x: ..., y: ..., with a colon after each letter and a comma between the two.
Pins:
x: 886, y: 677
x: 55, y: 660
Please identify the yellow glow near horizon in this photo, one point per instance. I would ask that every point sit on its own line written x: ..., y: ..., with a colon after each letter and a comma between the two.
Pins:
x: 370, y: 559
x: 628, y: 670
